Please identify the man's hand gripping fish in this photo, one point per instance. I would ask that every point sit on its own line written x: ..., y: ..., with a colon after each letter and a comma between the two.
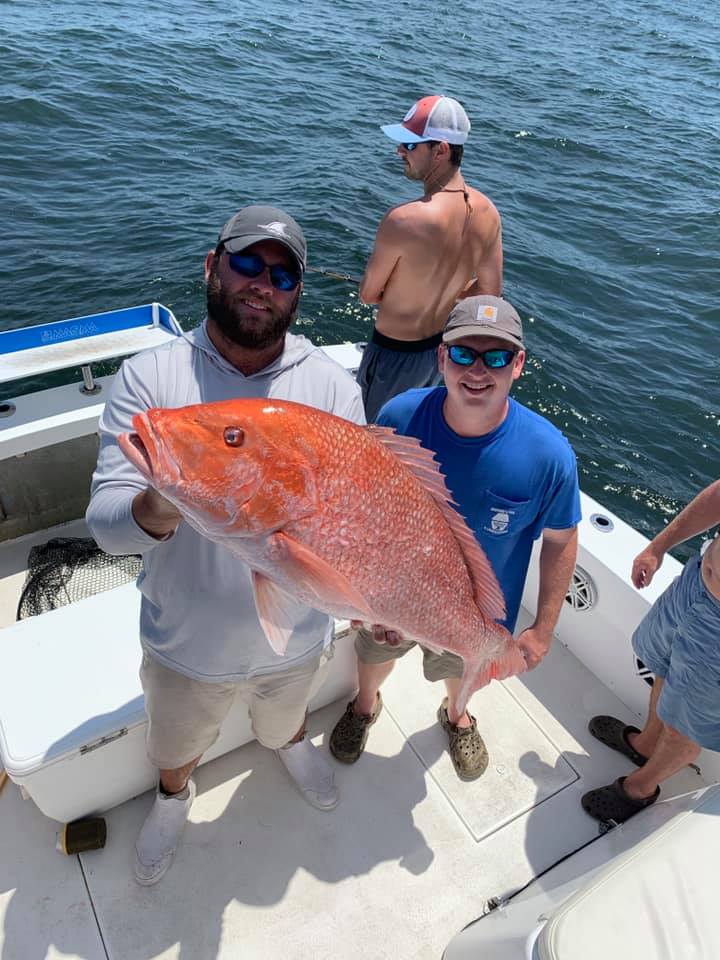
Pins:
x: 354, y: 521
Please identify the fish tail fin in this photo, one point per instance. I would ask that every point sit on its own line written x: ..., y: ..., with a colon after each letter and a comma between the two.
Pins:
x: 506, y: 660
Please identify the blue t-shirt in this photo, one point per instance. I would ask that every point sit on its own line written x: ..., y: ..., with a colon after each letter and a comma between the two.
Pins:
x: 509, y: 484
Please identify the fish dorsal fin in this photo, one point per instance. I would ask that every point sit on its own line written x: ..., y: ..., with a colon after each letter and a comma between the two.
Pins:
x: 424, y: 466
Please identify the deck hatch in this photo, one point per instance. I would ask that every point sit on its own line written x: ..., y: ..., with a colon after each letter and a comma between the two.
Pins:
x: 525, y: 769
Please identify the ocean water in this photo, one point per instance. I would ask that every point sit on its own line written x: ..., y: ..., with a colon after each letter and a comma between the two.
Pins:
x: 131, y: 131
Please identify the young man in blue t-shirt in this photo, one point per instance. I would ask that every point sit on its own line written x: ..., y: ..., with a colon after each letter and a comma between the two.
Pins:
x: 514, y: 478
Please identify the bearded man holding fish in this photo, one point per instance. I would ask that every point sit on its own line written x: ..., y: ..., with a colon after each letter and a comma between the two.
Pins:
x: 513, y: 477
x: 201, y: 635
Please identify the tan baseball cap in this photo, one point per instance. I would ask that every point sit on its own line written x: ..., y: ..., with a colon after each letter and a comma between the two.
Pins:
x: 484, y: 316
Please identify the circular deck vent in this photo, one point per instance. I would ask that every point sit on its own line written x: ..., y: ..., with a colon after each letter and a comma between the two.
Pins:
x: 7, y: 409
x: 582, y: 594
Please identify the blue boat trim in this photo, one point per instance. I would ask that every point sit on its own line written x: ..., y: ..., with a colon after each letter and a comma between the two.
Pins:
x: 92, y: 325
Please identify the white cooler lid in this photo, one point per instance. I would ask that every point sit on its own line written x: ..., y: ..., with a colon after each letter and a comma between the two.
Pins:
x: 68, y: 678
x: 658, y: 900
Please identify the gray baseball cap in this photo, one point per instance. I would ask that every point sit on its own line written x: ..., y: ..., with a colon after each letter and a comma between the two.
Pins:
x: 484, y: 316
x: 255, y: 223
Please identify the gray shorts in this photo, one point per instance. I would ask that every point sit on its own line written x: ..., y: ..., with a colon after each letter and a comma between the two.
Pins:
x: 436, y: 666
x: 389, y: 367
x: 185, y: 715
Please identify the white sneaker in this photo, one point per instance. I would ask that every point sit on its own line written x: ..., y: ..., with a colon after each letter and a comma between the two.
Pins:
x: 311, y: 772
x: 160, y: 834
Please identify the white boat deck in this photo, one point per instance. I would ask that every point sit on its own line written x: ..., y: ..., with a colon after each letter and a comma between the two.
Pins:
x: 409, y: 856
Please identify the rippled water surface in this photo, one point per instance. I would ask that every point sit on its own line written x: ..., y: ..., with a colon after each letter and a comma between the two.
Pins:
x: 131, y: 131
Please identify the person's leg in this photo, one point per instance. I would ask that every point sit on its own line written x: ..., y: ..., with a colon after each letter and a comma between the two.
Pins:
x: 646, y: 741
x: 278, y: 703
x: 657, y: 642
x: 375, y: 663
x: 371, y: 677
x: 684, y: 708
x: 365, y: 378
x: 278, y: 707
x: 467, y: 748
x: 453, y: 684
x: 672, y: 752
x: 184, y: 718
x: 175, y: 780
x: 676, y: 639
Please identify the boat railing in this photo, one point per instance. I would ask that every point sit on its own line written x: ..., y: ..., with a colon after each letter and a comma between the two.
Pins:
x: 42, y: 418
x: 80, y: 341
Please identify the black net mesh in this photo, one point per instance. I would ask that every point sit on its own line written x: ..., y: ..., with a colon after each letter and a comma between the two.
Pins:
x: 64, y: 570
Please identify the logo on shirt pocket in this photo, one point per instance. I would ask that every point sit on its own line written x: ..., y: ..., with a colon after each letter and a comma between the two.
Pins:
x: 500, y: 520
x: 502, y: 516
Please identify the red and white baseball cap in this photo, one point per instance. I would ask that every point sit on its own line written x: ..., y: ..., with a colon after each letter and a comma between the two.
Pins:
x: 431, y: 118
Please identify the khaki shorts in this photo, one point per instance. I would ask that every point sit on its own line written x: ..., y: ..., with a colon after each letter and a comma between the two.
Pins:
x: 185, y: 715
x: 436, y: 666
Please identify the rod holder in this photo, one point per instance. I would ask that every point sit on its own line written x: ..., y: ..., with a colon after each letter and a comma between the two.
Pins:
x: 89, y: 387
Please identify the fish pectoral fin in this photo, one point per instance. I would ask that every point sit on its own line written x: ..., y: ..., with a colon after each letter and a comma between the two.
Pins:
x: 273, y: 607
x: 433, y: 648
x: 315, y: 574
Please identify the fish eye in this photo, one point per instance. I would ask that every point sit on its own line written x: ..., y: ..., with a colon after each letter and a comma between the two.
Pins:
x: 234, y: 436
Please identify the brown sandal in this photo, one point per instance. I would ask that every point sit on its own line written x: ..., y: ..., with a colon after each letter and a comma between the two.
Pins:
x: 349, y: 736
x: 467, y: 749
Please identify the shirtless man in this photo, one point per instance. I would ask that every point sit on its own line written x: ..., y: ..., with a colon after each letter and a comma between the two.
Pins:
x: 428, y: 254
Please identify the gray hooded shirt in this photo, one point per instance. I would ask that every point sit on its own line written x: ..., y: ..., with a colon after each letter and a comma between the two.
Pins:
x: 197, y: 613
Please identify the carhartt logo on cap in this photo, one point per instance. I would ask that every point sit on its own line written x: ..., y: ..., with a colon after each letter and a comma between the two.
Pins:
x: 486, y: 313
x: 276, y: 227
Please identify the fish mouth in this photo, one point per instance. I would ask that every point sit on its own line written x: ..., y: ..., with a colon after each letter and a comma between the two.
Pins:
x: 142, y: 449
x: 149, y: 454
x: 135, y: 450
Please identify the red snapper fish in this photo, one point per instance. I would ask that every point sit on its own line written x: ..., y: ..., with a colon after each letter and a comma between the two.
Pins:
x: 353, y: 521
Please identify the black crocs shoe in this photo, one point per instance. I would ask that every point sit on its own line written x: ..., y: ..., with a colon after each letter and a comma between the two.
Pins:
x: 612, y: 803
x: 348, y: 739
x: 614, y: 734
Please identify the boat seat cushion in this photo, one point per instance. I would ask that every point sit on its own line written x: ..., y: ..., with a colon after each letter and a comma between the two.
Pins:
x: 657, y: 900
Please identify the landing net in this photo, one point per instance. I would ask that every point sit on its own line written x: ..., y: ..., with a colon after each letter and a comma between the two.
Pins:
x: 64, y: 570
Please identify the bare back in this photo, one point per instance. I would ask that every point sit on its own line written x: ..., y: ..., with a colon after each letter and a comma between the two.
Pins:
x: 428, y: 253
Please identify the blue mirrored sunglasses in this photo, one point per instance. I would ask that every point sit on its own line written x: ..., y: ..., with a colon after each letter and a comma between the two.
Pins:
x: 418, y: 143
x: 494, y: 359
x: 252, y: 265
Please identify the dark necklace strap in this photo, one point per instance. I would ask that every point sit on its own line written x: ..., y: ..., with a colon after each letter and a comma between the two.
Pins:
x: 462, y: 190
